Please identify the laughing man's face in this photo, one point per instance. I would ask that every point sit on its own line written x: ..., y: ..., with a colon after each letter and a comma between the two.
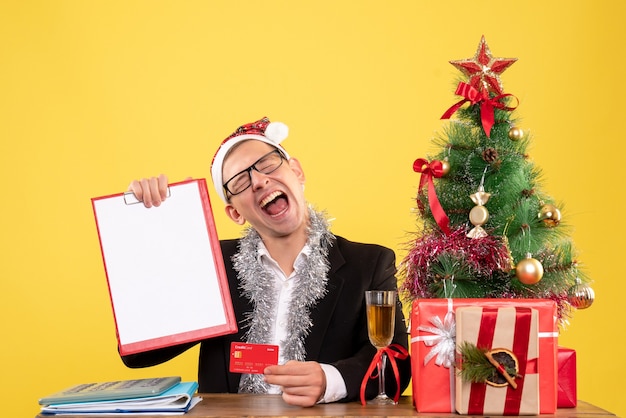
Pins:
x: 274, y: 204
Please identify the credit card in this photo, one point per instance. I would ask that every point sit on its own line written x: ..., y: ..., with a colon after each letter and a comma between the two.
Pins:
x: 252, y: 358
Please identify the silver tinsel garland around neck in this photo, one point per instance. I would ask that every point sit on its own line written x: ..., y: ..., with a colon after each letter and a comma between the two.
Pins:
x: 259, y: 287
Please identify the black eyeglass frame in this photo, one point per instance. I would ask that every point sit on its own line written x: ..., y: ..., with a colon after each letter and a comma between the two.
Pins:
x: 253, y: 167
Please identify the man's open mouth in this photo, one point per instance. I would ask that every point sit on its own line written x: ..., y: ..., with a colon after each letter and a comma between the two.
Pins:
x: 274, y: 203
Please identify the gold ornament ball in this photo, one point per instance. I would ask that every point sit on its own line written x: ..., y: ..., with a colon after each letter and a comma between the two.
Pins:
x: 529, y: 271
x: 445, y: 166
x: 550, y: 215
x: 515, y: 134
x: 580, y: 296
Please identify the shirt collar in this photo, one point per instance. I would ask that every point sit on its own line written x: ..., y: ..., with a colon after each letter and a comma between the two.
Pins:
x: 264, y: 256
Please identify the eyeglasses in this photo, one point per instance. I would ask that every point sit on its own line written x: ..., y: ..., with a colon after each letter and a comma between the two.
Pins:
x: 266, y: 164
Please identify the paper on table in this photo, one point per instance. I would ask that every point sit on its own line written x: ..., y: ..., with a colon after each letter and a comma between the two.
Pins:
x: 178, y: 399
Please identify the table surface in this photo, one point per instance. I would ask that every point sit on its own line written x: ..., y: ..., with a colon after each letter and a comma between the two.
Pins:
x: 251, y: 406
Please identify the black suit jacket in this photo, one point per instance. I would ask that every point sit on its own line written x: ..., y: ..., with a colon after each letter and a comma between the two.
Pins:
x: 339, y: 332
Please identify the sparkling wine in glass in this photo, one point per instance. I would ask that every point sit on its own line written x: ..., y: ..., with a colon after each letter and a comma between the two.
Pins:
x: 381, y: 313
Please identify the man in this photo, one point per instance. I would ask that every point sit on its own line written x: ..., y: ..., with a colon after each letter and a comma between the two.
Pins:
x: 292, y: 282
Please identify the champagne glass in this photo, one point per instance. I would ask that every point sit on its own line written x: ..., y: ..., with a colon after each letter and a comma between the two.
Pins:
x: 381, y: 314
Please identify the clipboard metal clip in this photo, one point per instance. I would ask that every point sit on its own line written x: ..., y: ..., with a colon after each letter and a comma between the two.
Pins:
x: 131, y: 199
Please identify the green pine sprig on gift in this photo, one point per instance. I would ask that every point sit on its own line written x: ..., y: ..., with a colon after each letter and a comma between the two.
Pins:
x: 474, y: 365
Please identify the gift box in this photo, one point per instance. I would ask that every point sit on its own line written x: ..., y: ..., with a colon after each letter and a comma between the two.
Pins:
x: 510, y: 335
x: 433, y: 346
x: 566, y: 380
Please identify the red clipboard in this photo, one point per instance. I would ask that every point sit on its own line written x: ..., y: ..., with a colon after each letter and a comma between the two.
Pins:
x: 164, y: 268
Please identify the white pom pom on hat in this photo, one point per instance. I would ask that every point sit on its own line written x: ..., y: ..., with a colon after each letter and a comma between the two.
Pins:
x: 272, y: 133
x: 276, y: 132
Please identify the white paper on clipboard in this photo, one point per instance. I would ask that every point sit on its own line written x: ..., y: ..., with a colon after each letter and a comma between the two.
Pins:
x: 164, y: 269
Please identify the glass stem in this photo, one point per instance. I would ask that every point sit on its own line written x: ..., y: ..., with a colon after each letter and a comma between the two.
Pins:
x: 382, y: 364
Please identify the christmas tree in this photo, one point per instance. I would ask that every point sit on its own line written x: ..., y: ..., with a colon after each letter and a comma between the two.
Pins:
x: 488, y: 230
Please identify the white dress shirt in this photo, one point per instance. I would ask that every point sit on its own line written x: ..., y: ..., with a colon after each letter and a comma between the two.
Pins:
x: 284, y: 286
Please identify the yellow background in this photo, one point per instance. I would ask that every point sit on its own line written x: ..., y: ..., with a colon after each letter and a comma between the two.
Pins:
x: 96, y: 93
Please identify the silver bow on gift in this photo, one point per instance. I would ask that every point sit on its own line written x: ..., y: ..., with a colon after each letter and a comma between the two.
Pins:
x: 443, y: 341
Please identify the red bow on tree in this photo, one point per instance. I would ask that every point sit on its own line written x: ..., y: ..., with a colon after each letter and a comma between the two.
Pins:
x: 487, y: 104
x: 430, y: 170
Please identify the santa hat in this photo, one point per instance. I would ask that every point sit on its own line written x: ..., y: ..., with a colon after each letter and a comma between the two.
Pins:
x: 272, y: 133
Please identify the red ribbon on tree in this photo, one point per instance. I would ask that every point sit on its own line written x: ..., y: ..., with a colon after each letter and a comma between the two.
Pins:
x: 430, y: 170
x: 487, y: 104
x: 393, y: 351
